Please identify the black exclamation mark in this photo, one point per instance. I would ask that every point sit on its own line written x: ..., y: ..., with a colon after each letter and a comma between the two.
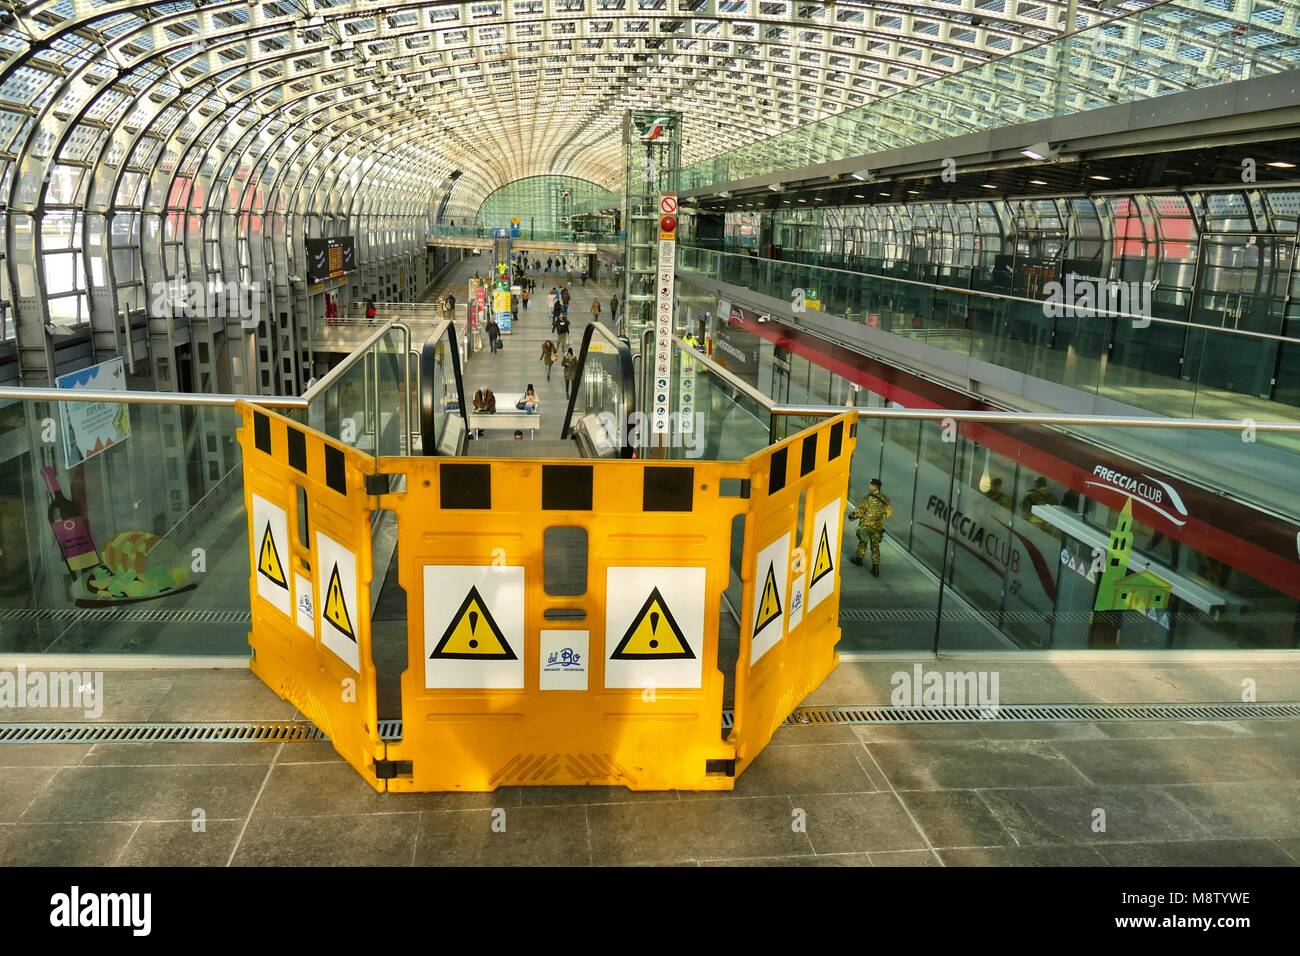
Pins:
x: 654, y: 626
x: 473, y: 625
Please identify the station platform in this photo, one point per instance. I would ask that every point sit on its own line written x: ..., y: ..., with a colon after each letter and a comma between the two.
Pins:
x: 1176, y: 792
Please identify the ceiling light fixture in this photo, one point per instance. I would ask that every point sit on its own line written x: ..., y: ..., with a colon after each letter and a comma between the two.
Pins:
x: 1281, y: 164
x: 1037, y: 182
x: 989, y: 186
x: 1040, y: 151
x: 1100, y: 178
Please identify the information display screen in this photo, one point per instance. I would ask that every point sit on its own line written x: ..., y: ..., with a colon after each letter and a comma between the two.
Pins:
x: 330, y: 258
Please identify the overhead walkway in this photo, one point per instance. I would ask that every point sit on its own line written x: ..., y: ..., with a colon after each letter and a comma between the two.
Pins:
x: 455, y: 237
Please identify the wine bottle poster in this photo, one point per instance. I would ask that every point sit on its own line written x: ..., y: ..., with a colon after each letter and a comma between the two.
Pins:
x: 89, y: 428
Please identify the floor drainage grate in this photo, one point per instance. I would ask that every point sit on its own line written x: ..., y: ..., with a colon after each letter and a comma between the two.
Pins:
x: 127, y: 615
x: 299, y: 731
x: 1044, y: 712
x: 232, y: 731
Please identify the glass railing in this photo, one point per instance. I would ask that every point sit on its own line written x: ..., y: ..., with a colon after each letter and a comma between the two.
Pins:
x: 122, y: 522
x: 1165, y: 48
x: 367, y: 400
x: 715, y: 416
x: 1009, y: 531
x: 1167, y: 366
x: 123, y: 528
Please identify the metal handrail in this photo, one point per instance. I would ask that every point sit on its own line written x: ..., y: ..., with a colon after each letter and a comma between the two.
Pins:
x: 1036, y: 418
x: 1068, y: 310
x: 41, y: 394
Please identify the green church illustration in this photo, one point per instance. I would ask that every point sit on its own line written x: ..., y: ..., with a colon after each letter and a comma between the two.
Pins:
x: 1120, y: 590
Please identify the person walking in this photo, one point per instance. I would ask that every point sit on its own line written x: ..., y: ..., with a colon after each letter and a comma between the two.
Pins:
x: 451, y: 306
x: 562, y: 330
x: 526, y: 296
x: 564, y: 298
x: 595, y: 309
x: 613, y: 308
x: 493, y: 334
x: 548, y: 357
x: 569, y: 364
x: 870, y: 514
x: 557, y: 310
x: 548, y: 265
x: 370, y: 308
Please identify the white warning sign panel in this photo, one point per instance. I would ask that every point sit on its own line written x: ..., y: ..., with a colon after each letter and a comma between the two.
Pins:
x: 798, y: 598
x: 654, y: 627
x: 771, y: 575
x: 563, y: 660
x: 304, y: 603
x: 473, y: 626
x: 270, y: 539
x: 825, y: 553
x: 338, y: 604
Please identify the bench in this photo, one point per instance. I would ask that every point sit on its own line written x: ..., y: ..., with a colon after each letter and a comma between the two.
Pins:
x: 506, y: 416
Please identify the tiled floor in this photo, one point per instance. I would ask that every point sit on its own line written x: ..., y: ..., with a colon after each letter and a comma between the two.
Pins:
x: 1093, y: 793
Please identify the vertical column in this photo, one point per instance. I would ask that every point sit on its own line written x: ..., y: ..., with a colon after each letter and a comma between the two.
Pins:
x: 652, y: 152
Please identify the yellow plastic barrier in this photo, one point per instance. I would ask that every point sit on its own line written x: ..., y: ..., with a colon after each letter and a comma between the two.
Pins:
x: 562, y: 616
x: 310, y: 596
x: 790, y: 617
x: 509, y: 684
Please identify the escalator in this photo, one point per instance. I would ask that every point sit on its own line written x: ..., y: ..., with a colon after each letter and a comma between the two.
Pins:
x: 444, y: 421
x: 600, y: 405
x: 603, y: 400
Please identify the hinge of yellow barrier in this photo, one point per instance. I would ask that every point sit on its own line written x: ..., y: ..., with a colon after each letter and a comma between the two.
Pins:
x: 391, y: 769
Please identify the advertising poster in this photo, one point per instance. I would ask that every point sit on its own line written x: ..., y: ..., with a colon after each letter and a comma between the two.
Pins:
x: 90, y: 427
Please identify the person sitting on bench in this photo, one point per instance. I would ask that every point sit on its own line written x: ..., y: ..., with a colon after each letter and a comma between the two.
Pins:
x: 529, y: 401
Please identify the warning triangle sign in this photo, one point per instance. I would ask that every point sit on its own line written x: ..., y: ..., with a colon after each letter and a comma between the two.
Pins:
x: 473, y: 634
x: 823, y: 565
x: 268, y: 562
x: 653, y: 635
x: 336, y: 608
x: 769, y: 606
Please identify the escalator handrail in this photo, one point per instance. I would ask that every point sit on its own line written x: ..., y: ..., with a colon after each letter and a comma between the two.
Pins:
x: 629, y: 384
x: 429, y: 407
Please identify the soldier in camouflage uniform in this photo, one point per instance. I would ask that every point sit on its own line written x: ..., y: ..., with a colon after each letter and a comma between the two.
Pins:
x: 870, y: 514
x: 1038, y: 495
